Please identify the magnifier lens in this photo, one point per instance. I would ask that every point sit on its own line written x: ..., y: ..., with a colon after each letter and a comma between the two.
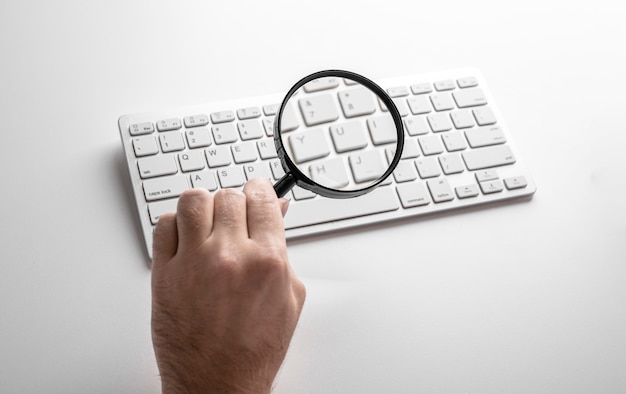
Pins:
x: 339, y: 137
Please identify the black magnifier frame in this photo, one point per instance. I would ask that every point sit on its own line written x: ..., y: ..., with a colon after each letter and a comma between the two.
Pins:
x: 293, y: 176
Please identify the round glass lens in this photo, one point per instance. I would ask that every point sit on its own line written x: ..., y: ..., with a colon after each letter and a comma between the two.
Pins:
x: 338, y: 133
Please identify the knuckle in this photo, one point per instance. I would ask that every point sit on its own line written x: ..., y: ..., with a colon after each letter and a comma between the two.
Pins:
x: 271, y: 262
x: 300, y: 292
x: 223, y: 194
x: 191, y: 205
x: 190, y: 196
x: 270, y: 256
x: 225, y: 263
x: 260, y: 183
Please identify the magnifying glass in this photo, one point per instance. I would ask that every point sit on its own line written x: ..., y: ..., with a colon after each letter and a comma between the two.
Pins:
x: 337, y: 134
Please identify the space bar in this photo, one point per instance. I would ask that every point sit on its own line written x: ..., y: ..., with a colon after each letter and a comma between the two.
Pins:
x: 323, y: 210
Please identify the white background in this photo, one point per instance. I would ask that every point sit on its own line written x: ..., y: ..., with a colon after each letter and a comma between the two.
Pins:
x: 528, y: 297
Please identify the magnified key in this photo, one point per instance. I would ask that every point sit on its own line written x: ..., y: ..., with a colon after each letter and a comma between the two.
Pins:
x: 309, y: 145
x: 318, y: 109
x: 357, y: 102
x: 367, y: 166
x: 331, y: 172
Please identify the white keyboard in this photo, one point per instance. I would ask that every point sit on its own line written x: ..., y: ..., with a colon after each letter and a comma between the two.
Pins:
x: 458, y: 153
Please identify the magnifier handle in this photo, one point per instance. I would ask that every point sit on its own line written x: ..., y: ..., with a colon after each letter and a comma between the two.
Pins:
x: 284, y: 184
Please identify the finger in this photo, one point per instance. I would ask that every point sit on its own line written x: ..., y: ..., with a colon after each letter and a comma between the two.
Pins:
x: 164, y: 239
x: 284, y: 205
x: 265, y: 218
x: 229, y: 219
x: 194, y: 218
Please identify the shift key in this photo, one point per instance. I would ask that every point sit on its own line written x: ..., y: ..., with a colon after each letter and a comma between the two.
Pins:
x: 488, y: 157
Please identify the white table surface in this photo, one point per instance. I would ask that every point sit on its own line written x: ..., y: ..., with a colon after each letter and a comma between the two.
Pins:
x: 524, y: 297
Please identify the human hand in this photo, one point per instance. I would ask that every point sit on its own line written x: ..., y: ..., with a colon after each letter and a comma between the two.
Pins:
x: 225, y: 301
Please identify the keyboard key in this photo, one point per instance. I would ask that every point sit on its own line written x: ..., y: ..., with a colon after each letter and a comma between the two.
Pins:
x: 462, y: 119
x: 439, y: 122
x: 309, y: 145
x: 244, y: 152
x: 248, y: 113
x: 330, y: 173
x: 427, y: 167
x: 145, y: 146
x: 467, y: 82
x: 172, y: 142
x: 357, y: 102
x: 488, y: 157
x: 141, y: 128
x: 484, y: 116
x: 348, y: 136
x: 431, y: 145
x: 289, y: 120
x: 196, y: 120
x: 230, y: 177
x: 469, y: 97
x: 302, y: 194
x: 218, y: 156
x: 382, y: 130
x: 192, y: 161
x: 225, y: 133
x: 169, y: 124
x: 156, y: 209
x: 454, y: 141
x: 257, y: 170
x: 451, y: 164
x: 204, y: 180
x: 486, y: 175
x: 490, y: 187
x: 440, y: 190
x: 222, y: 117
x: 321, y: 84
x: 250, y: 129
x: 399, y: 102
x: 318, y: 109
x: 367, y: 166
x: 485, y: 136
x: 405, y: 172
x: 448, y: 84
x: 165, y: 187
x: 416, y: 126
x: 268, y: 125
x: 267, y: 149
x: 322, y: 210
x: 409, y: 151
x: 401, y: 105
x: 421, y: 88
x: 442, y: 101
x: 466, y: 191
x: 198, y: 138
x: 518, y: 182
x: 271, y: 109
x: 419, y: 105
x: 154, y: 166
x: 398, y: 91
x: 413, y: 194
x: 277, y: 169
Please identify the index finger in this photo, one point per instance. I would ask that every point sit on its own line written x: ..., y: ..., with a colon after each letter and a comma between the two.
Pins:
x: 265, y: 218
